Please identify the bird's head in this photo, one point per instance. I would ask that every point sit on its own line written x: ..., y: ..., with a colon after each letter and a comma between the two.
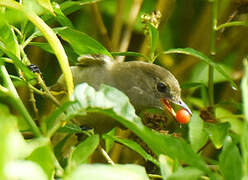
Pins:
x: 162, y: 84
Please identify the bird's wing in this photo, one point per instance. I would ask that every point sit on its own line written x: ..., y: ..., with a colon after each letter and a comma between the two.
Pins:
x: 94, y: 59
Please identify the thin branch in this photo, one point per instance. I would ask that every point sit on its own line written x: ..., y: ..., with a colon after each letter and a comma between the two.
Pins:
x: 118, y: 23
x: 128, y: 32
x: 106, y: 156
x: 230, y: 24
x: 100, y: 26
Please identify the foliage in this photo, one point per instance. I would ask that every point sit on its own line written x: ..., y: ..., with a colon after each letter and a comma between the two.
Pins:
x: 41, y: 141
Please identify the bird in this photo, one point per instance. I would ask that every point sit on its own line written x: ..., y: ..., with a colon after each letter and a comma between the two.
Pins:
x: 146, y: 85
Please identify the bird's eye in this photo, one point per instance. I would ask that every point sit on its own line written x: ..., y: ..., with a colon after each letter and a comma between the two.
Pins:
x: 161, y: 87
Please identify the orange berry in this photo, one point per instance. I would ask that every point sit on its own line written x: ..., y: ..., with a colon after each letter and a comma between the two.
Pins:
x: 183, y: 116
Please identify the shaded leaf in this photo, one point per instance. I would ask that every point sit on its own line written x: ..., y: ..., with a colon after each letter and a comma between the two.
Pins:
x: 197, y: 136
x: 154, y: 39
x: 230, y: 161
x: 61, y: 18
x: 217, y: 132
x: 129, y: 53
x: 204, y: 58
x: 109, y: 142
x: 81, y: 42
x: 134, y: 146
x: 82, y: 152
x: 108, y: 172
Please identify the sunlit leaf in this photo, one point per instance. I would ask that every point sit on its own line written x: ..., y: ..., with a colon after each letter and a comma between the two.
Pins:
x: 129, y: 53
x: 47, y: 160
x: 8, y: 39
x: 187, y: 173
x: 62, y: 19
x: 108, y: 172
x: 46, y: 4
x: 166, y: 166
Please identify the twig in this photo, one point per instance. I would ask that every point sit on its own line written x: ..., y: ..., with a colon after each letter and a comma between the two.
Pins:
x: 117, y: 26
x: 128, y: 32
x: 106, y: 156
x: 155, y: 176
x: 33, y: 102
x: 100, y: 26
x: 48, y: 93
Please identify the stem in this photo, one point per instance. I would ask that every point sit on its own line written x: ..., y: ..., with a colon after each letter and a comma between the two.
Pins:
x: 118, y: 22
x: 128, y: 32
x: 212, y: 52
x: 156, y: 176
x: 230, y: 24
x: 17, y: 101
x: 101, y: 27
x: 106, y: 156
x: 51, y: 38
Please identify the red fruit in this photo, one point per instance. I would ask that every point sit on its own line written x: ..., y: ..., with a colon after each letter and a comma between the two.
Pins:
x: 183, y: 116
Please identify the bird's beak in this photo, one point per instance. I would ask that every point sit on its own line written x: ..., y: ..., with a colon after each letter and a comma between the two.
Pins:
x: 167, y: 105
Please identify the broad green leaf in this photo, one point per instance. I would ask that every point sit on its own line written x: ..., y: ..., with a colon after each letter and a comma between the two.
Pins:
x: 46, y: 4
x: 110, y: 101
x: 25, y: 170
x: 8, y: 39
x: 154, y: 39
x: 134, y: 146
x: 72, y: 56
x: 108, y: 172
x: 230, y: 161
x: 217, y: 132
x: 81, y: 42
x: 44, y: 157
x: 197, y: 136
x: 166, y: 166
x: 187, y: 173
x: 129, y: 53
x: 82, y: 152
x: 62, y: 19
x: 204, y: 58
x: 227, y: 116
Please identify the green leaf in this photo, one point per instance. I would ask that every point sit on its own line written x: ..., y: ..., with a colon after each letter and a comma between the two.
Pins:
x: 217, y: 132
x: 27, y: 170
x: 70, y: 128
x: 197, y: 136
x: 109, y: 142
x: 83, y: 151
x: 129, y: 53
x: 61, y: 18
x: 46, y: 4
x: 230, y: 161
x: 204, y: 58
x: 134, y: 146
x: 81, y: 42
x: 187, y: 173
x: 166, y: 166
x: 154, y: 39
x: 110, y: 101
x: 108, y: 172
x: 72, y: 56
x: 244, y: 147
x: 8, y: 39
x: 47, y: 160
x: 188, y: 85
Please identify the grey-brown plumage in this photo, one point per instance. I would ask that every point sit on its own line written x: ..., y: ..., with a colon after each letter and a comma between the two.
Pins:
x: 145, y: 84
